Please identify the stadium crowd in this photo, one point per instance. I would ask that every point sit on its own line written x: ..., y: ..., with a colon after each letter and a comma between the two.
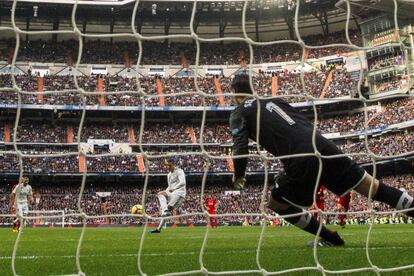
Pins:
x: 380, y: 116
x: 341, y: 84
x: 62, y: 90
x: 383, y: 61
x: 105, y: 52
x: 360, y: 203
x: 123, y: 197
x: 388, y: 113
x: 390, y: 84
x: 63, y: 197
x: 384, y: 146
x: 120, y: 161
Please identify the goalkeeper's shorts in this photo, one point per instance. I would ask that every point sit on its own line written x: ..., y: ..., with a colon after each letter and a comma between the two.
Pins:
x: 339, y: 175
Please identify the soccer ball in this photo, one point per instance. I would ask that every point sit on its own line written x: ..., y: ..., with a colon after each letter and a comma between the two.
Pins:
x: 136, y: 209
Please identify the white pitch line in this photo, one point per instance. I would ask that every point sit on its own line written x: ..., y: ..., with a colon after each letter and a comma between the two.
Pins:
x: 34, y: 257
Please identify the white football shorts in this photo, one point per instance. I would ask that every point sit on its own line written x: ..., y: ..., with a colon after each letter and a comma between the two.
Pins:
x: 22, y: 209
x: 175, y: 200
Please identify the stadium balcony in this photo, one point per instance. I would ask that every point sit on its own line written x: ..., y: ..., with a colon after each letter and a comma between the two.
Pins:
x: 120, y: 93
x: 102, y: 158
x: 158, y: 53
x: 382, y: 117
x: 165, y: 69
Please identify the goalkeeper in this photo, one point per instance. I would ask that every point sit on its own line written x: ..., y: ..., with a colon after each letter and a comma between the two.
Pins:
x: 174, y: 194
x: 284, y: 131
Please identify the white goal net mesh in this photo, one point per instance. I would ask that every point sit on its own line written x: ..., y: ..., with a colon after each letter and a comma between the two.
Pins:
x: 52, y: 218
x: 149, y: 157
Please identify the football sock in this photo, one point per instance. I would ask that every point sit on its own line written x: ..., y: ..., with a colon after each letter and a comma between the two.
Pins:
x: 161, y: 224
x: 164, y: 213
x: 163, y: 202
x: 341, y: 219
x: 309, y: 224
x: 395, y: 198
x: 213, y: 222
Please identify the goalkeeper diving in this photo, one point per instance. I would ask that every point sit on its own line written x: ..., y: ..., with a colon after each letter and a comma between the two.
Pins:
x: 283, y: 131
x: 173, y: 197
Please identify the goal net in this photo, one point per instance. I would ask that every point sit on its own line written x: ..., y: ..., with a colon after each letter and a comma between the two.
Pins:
x: 298, y: 88
x: 51, y: 218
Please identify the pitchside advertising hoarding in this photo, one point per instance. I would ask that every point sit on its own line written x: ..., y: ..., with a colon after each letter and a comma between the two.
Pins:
x: 103, y: 194
x: 214, y: 71
x: 156, y: 71
x: 118, y: 108
x: 274, y: 68
x: 338, y: 60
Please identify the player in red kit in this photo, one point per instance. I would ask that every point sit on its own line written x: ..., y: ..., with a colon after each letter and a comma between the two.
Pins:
x: 342, y: 204
x: 211, y: 205
x: 320, y: 200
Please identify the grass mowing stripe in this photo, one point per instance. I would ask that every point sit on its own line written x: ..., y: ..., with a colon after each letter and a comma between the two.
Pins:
x: 189, y: 253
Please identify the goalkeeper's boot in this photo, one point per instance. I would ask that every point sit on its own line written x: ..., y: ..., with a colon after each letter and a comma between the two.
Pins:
x: 239, y: 183
x: 336, y: 241
x: 155, y: 231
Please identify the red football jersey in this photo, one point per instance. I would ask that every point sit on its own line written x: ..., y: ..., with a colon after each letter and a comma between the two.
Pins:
x: 211, y: 204
x: 344, y: 200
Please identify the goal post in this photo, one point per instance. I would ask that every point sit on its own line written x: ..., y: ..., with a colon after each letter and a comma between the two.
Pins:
x: 46, y: 218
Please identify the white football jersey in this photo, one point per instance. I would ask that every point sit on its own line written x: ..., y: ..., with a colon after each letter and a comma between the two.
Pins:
x: 22, y: 192
x: 176, y: 179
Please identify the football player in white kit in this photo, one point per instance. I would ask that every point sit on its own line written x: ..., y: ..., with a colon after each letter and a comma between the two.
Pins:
x: 172, y: 198
x: 20, y: 198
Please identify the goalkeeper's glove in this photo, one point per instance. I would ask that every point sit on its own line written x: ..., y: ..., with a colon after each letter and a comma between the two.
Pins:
x: 239, y: 183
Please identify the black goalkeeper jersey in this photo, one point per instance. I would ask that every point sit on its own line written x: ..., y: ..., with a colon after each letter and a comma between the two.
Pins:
x: 283, y: 131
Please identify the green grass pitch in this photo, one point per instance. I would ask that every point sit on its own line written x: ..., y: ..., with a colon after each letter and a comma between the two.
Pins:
x: 113, y: 251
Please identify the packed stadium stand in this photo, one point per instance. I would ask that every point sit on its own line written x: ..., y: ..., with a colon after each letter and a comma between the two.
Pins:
x: 51, y: 98
x: 155, y: 53
x: 100, y: 99
x: 63, y: 197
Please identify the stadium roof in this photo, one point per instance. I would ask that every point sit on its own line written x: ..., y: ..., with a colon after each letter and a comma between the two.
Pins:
x: 82, y: 2
x: 361, y: 7
x: 279, y: 3
x: 273, y: 16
